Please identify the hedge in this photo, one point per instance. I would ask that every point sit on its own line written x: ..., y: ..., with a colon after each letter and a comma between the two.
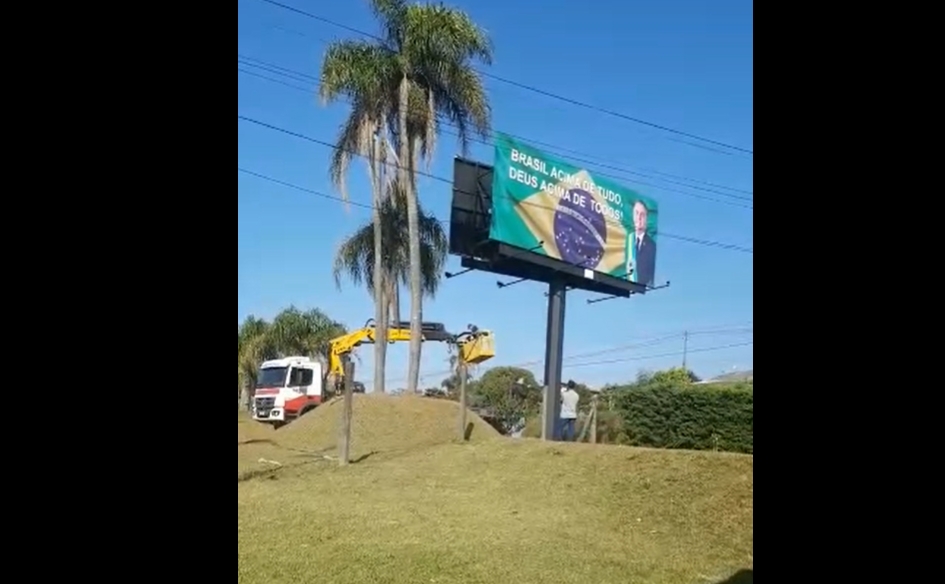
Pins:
x: 695, y: 417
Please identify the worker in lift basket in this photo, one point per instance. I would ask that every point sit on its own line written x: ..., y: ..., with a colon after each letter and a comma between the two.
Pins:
x: 569, y: 409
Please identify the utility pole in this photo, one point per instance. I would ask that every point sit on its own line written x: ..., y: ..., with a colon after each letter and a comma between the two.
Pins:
x: 685, y: 349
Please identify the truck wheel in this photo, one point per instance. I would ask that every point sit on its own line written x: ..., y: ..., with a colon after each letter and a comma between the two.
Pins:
x: 277, y: 425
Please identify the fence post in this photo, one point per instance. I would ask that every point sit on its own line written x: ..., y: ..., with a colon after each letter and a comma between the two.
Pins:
x: 345, y: 439
x: 462, y: 401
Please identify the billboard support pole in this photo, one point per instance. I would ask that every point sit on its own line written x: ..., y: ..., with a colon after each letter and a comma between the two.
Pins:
x: 554, y: 353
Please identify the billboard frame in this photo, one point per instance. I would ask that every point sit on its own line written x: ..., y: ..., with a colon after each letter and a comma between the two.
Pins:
x: 470, y: 221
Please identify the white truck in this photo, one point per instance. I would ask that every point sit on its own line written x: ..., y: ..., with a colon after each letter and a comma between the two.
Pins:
x: 287, y: 389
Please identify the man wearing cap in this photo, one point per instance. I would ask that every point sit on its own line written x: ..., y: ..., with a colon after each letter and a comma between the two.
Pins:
x: 569, y: 411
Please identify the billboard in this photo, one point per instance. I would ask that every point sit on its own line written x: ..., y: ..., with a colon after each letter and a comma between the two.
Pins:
x: 546, y: 205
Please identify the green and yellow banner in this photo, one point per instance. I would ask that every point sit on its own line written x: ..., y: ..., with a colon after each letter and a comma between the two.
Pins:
x: 554, y: 208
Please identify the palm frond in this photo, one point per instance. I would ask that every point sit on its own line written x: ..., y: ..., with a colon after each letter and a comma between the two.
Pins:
x: 391, y: 15
x: 355, y: 138
x: 355, y: 256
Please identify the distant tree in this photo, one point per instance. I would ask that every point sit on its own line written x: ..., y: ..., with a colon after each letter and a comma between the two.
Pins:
x: 667, y: 376
x: 508, y: 402
x: 451, y: 385
x: 291, y: 332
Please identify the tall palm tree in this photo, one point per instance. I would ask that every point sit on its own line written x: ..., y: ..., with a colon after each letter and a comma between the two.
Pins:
x: 420, y: 69
x: 355, y: 71
x: 356, y: 257
x: 430, y: 50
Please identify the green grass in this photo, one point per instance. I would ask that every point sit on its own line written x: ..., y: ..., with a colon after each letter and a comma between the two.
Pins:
x: 494, y: 511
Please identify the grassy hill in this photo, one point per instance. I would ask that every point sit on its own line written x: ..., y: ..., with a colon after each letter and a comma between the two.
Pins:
x: 422, y: 509
x: 382, y: 426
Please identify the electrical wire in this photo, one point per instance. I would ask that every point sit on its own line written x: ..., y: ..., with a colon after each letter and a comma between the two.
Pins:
x: 600, y: 161
x: 369, y: 207
x: 552, y: 148
x: 665, y: 137
x: 531, y: 364
x: 533, y: 89
x: 709, y: 243
x: 300, y: 76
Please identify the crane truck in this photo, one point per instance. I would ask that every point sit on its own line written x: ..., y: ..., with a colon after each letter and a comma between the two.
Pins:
x: 291, y: 387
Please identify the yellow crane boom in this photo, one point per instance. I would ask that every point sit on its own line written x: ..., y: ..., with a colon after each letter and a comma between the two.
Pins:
x: 475, y: 345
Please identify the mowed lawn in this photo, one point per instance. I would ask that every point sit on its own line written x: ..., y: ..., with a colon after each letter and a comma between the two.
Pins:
x: 506, y: 511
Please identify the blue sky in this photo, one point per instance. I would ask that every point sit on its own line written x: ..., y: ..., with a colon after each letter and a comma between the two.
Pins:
x: 684, y: 64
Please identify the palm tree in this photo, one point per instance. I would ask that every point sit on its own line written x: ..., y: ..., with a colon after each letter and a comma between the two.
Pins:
x: 254, y: 347
x: 431, y: 49
x: 355, y: 257
x: 292, y: 332
x: 419, y: 70
x: 355, y: 71
x: 307, y: 334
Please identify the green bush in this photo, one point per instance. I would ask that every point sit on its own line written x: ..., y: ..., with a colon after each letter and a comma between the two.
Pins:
x: 681, y: 415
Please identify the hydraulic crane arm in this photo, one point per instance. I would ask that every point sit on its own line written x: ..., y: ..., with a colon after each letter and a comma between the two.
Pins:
x: 343, y: 345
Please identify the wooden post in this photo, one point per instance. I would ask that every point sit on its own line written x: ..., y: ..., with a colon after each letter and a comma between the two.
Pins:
x: 345, y: 439
x: 585, y: 426
x: 590, y: 423
x: 462, y: 400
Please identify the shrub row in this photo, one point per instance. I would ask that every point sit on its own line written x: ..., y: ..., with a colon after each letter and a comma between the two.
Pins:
x: 696, y: 417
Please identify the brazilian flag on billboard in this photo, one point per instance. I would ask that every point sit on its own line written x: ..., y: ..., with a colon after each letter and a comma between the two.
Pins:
x: 563, y: 211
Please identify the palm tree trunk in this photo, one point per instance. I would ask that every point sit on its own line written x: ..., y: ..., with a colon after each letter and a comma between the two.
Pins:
x: 380, y: 307
x: 413, y: 235
x: 395, y: 301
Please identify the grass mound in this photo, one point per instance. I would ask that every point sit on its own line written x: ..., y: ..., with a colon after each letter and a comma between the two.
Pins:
x: 503, y: 511
x: 382, y: 425
x: 256, y: 453
x: 248, y: 430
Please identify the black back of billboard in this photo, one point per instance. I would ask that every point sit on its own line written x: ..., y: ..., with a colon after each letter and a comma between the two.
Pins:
x: 471, y: 211
x: 470, y: 220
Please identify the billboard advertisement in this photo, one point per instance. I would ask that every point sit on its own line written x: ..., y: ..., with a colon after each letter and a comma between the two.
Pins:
x: 554, y: 208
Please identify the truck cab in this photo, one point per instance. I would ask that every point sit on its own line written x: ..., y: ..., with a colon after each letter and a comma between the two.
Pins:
x: 287, y: 389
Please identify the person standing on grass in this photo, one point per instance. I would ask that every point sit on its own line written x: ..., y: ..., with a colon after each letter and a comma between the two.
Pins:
x: 569, y: 410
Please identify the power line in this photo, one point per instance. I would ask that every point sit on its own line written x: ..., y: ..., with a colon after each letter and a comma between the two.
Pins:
x: 305, y: 190
x: 652, y: 342
x: 574, y: 155
x: 533, y: 89
x: 327, y: 144
x: 720, y: 245
x: 595, y: 171
x: 669, y: 138
x: 675, y: 354
x: 704, y: 242
x: 604, y: 362
x: 305, y: 77
x: 648, y: 343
